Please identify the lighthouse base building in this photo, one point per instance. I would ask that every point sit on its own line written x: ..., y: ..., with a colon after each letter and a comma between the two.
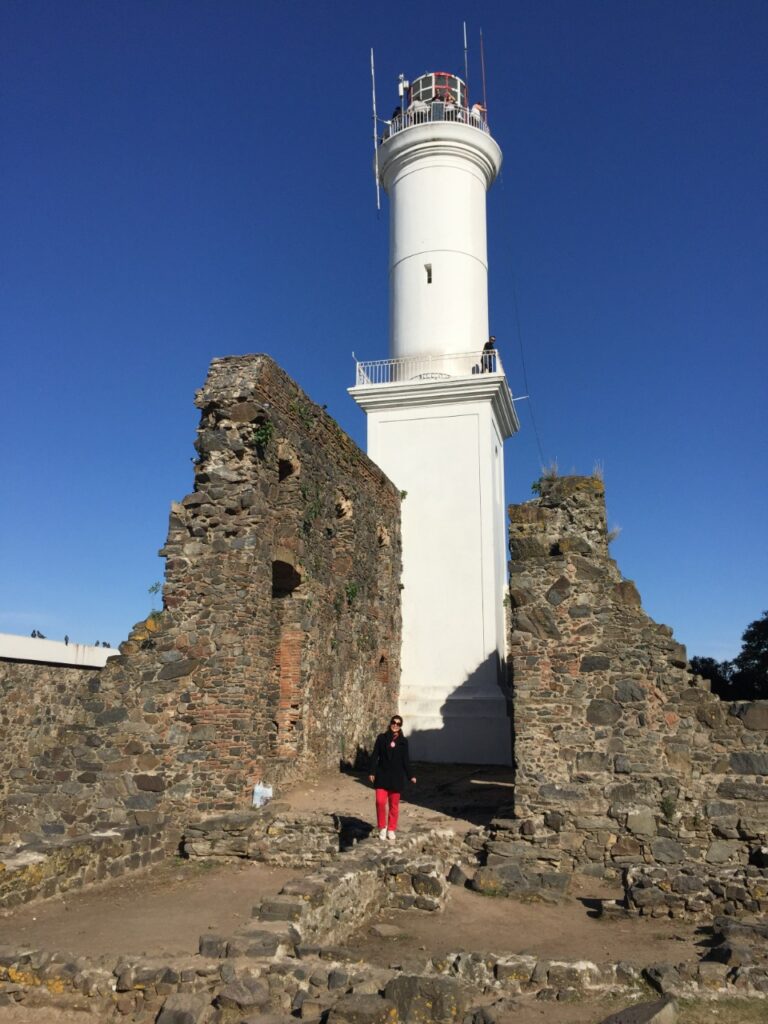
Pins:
x: 440, y: 440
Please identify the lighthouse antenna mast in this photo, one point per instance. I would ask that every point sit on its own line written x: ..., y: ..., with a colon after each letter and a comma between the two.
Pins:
x: 482, y: 72
x: 375, y: 133
x: 466, y: 63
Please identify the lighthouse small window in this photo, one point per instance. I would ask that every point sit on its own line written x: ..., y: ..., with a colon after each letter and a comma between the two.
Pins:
x: 428, y: 268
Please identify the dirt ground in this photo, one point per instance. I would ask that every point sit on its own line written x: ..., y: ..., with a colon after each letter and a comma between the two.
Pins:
x: 475, y: 923
x: 163, y: 911
x: 154, y: 913
x: 445, y: 796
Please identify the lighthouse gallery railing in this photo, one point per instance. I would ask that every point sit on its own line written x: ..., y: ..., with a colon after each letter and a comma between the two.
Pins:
x: 436, y: 112
x: 413, y: 369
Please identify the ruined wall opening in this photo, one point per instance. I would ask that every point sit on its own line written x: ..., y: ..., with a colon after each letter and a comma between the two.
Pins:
x: 288, y: 462
x: 343, y: 506
x: 285, y: 579
x: 382, y: 671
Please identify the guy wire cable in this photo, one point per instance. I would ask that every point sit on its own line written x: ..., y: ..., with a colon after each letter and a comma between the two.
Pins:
x: 525, y: 370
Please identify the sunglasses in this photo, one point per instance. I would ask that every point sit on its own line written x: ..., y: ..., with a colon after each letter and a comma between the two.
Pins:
x: 396, y: 722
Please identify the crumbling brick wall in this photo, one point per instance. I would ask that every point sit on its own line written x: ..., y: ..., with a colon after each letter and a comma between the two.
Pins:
x: 278, y: 649
x: 621, y: 755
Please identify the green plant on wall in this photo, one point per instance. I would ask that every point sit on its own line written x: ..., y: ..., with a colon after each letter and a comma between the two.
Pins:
x: 154, y: 617
x: 263, y: 433
x: 550, y: 472
x: 153, y: 591
x: 350, y: 592
x: 668, y: 806
x: 313, y: 507
x: 304, y: 414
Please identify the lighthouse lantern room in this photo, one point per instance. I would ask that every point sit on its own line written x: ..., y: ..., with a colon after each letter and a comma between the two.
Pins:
x: 438, y: 412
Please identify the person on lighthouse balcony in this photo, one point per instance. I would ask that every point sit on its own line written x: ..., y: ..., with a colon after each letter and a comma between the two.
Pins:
x: 488, y: 358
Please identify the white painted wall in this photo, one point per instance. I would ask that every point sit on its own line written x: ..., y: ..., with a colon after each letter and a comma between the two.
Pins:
x: 53, y: 652
x: 446, y: 455
x: 436, y: 176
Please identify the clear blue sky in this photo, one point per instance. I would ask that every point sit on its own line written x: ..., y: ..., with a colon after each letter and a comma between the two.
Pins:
x: 184, y: 180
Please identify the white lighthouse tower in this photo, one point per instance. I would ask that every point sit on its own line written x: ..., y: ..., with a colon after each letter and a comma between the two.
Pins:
x: 438, y: 412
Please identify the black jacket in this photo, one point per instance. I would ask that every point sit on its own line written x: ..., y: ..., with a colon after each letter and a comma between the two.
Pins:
x: 390, y: 765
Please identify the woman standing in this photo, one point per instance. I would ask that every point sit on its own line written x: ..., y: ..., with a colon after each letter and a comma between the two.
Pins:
x: 390, y: 770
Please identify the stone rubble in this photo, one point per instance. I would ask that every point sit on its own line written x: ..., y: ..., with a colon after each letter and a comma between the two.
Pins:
x: 274, y: 834
x: 331, y: 903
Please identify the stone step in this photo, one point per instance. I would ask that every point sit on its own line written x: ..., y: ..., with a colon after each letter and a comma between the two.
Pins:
x: 257, y: 939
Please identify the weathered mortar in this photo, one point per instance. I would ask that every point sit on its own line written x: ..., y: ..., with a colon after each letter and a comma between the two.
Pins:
x: 278, y: 650
x: 621, y: 755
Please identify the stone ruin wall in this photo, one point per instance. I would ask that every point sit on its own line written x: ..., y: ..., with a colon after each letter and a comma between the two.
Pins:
x: 278, y: 649
x: 36, y: 701
x: 622, y: 756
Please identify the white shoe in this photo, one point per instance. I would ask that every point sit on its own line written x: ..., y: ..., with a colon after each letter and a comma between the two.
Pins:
x: 391, y: 835
x: 383, y: 833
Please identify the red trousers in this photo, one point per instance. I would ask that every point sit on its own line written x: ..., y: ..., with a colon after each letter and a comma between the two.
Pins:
x: 387, y: 821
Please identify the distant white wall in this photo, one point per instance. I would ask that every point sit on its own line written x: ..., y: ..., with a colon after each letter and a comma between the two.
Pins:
x: 53, y: 652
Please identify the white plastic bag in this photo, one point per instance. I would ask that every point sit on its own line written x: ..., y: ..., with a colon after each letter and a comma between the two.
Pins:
x: 262, y: 794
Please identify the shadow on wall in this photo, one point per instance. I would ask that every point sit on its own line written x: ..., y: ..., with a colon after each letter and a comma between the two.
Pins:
x: 464, y: 767
x: 475, y: 722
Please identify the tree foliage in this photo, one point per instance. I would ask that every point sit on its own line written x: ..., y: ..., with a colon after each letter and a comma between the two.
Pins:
x: 746, y: 677
x: 719, y: 673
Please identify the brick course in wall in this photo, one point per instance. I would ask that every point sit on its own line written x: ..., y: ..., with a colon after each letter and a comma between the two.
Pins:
x: 277, y: 652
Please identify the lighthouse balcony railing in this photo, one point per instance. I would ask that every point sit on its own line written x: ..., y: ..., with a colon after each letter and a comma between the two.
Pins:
x: 422, y: 369
x: 429, y: 113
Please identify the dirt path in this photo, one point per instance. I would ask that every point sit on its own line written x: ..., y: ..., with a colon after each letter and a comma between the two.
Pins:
x: 445, y: 796
x: 475, y: 923
x: 160, y: 912
x: 730, y: 1011
x: 43, y: 1015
